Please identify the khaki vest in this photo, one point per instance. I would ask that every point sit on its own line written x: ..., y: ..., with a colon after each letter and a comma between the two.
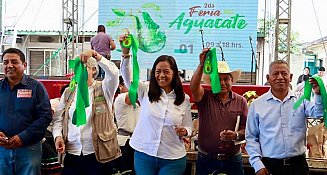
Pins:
x: 104, y: 130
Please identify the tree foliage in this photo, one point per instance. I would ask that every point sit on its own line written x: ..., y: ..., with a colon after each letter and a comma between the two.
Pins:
x: 268, y: 27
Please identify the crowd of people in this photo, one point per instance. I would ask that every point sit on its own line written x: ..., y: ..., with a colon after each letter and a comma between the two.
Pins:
x: 147, y: 138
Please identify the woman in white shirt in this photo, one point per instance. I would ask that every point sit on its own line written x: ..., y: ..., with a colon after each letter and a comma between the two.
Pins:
x: 165, y: 118
x: 80, y: 155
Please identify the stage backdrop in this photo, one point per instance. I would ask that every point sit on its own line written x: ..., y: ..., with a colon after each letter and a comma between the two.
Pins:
x: 173, y: 27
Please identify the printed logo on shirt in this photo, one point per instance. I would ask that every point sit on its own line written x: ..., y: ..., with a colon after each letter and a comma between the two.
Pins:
x: 24, y: 93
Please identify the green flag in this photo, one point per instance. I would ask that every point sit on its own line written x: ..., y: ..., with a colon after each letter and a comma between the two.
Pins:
x: 211, y: 68
x: 307, y: 95
x: 82, y: 101
x: 131, y: 41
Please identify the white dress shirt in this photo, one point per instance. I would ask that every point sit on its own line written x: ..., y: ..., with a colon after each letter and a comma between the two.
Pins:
x: 79, y: 139
x: 154, y: 134
x: 275, y: 130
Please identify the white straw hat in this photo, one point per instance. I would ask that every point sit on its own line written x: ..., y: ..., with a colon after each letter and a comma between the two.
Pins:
x: 92, y: 62
x: 223, y: 68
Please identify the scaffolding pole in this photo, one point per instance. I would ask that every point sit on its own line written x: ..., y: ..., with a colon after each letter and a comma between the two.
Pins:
x: 69, y: 30
x: 283, y: 30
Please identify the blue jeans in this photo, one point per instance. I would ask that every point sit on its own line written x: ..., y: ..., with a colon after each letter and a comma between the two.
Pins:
x: 149, y: 165
x: 21, y: 161
x: 206, y: 165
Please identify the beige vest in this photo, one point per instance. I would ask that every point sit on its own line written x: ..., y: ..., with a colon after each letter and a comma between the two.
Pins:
x: 104, y: 130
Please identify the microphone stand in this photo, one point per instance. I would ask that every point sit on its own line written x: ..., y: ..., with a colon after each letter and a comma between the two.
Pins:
x: 222, y: 53
x: 252, y: 58
x: 201, y: 31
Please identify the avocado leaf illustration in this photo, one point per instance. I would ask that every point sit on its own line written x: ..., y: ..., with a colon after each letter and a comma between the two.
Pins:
x: 119, y: 12
x: 151, y: 6
x: 113, y: 23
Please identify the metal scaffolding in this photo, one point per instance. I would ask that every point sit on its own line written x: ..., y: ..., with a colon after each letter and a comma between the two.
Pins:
x: 69, y: 29
x: 283, y: 30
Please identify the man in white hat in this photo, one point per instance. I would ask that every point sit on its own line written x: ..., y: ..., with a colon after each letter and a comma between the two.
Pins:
x: 222, y: 119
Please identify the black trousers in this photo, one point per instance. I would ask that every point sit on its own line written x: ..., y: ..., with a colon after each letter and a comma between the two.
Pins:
x: 125, y: 163
x: 85, y: 165
x: 291, y: 166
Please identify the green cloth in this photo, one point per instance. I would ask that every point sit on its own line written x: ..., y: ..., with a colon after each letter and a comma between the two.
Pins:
x: 132, y: 92
x: 307, y: 95
x: 211, y: 68
x: 82, y: 101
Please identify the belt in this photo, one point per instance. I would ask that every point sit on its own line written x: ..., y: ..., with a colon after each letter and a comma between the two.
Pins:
x: 285, y: 161
x: 217, y: 156
x: 124, y: 132
x: 108, y: 56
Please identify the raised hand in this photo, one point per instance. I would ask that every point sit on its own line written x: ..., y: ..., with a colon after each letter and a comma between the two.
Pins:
x: 89, y: 53
x: 315, y: 86
x: 121, y: 39
x: 202, y: 56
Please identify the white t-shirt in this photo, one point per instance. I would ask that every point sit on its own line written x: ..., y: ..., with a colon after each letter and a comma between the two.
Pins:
x: 126, y: 117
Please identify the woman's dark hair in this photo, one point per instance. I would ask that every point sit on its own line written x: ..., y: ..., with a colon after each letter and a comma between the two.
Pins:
x: 121, y: 82
x: 307, y: 68
x: 154, y: 88
x: 322, y: 69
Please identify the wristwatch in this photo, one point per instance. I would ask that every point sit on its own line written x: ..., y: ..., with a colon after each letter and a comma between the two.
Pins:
x: 126, y: 55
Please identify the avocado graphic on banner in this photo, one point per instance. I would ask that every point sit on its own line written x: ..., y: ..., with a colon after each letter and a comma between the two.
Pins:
x: 149, y: 34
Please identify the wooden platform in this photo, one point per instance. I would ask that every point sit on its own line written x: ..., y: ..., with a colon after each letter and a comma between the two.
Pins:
x: 315, y: 165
